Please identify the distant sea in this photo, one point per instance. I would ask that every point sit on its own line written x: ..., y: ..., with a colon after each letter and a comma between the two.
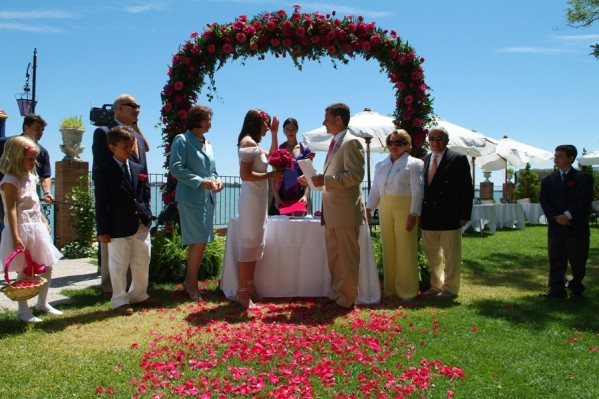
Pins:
x: 227, y: 201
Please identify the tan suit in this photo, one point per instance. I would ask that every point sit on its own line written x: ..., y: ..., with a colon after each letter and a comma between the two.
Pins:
x: 343, y: 212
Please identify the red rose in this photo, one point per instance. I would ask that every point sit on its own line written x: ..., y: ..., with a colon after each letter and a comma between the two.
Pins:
x: 570, y: 184
x: 143, y: 177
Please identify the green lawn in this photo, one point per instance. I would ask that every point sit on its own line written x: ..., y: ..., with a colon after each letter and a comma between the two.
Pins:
x: 499, y: 339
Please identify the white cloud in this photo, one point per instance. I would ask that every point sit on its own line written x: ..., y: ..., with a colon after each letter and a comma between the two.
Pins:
x: 556, y: 45
x: 342, y: 11
x: 23, y: 27
x: 535, y: 50
x: 144, y: 8
x: 36, y: 14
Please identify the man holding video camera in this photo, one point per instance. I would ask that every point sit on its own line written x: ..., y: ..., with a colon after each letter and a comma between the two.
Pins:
x: 126, y: 112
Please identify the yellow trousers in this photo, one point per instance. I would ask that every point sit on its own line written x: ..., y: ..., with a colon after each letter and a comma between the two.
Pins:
x: 400, y: 247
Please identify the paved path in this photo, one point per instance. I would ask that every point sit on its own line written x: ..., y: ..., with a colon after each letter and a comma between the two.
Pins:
x: 67, y: 273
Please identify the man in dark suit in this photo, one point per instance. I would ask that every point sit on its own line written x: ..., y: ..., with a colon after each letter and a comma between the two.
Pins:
x: 446, y: 208
x: 126, y: 112
x: 565, y: 197
x: 123, y: 219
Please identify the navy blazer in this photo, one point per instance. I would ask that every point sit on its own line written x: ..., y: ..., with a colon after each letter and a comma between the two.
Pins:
x: 102, y: 154
x: 573, y: 195
x: 121, y: 204
x: 449, y: 197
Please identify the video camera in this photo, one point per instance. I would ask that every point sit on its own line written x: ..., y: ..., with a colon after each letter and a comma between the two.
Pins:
x: 101, y: 116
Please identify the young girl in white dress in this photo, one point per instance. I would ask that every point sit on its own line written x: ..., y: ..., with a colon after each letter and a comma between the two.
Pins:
x: 25, y: 226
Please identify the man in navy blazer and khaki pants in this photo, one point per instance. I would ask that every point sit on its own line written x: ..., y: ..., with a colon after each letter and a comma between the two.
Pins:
x: 446, y: 208
x: 565, y: 197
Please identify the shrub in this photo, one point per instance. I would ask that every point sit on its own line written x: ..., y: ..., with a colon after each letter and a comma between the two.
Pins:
x: 83, y: 220
x: 169, y: 256
x: 528, y: 185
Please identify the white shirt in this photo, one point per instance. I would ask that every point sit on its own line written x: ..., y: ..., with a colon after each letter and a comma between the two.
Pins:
x: 400, y: 178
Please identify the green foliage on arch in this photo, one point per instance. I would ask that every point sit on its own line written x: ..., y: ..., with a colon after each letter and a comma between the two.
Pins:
x: 300, y: 36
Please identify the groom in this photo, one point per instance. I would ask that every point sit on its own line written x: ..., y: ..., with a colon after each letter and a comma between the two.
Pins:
x: 343, y: 209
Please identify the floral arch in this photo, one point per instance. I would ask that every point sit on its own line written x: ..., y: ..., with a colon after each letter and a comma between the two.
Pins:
x: 300, y: 36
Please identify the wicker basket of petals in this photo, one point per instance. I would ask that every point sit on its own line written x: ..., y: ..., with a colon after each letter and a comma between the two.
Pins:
x: 27, y: 287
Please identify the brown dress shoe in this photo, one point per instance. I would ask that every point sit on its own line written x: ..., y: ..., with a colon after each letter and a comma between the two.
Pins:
x: 150, y: 303
x: 124, y: 310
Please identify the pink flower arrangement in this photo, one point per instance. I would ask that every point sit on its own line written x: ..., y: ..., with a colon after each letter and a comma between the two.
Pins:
x: 301, y: 36
x: 281, y: 159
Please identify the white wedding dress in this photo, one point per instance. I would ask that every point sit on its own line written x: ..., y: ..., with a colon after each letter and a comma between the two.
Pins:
x: 253, y: 206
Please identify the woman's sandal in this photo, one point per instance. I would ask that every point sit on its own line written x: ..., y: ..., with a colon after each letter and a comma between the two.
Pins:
x: 198, y: 295
x: 252, y: 291
x: 244, y: 299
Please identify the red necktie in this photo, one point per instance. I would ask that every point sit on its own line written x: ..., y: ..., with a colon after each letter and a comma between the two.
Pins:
x: 331, y: 146
x: 432, y: 169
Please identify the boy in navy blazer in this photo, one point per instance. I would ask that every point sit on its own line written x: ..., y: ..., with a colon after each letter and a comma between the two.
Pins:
x: 123, y: 219
x: 565, y: 197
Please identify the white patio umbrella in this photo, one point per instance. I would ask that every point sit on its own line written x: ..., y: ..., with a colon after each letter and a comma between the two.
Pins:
x: 468, y: 142
x: 514, y: 153
x: 501, y: 158
x: 592, y: 158
x: 535, y: 155
x: 371, y: 127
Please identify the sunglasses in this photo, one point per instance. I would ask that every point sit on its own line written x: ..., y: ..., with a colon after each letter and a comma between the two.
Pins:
x: 396, y: 143
x: 132, y: 105
x: 440, y: 138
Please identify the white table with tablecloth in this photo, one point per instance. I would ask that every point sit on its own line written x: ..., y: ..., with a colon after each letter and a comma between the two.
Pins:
x: 496, y: 216
x: 509, y: 216
x: 482, y: 215
x: 533, y: 213
x: 295, y: 262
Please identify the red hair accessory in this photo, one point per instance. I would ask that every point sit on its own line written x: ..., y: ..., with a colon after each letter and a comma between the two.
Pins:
x: 29, y: 148
x: 264, y: 116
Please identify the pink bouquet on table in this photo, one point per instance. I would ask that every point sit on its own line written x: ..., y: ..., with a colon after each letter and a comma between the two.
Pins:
x: 281, y: 159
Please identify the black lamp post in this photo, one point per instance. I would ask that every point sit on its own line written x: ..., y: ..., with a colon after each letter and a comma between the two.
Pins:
x: 25, y: 103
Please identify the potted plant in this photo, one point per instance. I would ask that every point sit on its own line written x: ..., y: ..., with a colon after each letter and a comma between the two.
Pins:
x: 510, y: 173
x: 72, y: 130
x: 528, y: 185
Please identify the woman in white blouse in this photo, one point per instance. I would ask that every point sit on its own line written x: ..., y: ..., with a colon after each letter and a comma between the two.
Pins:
x: 397, y: 191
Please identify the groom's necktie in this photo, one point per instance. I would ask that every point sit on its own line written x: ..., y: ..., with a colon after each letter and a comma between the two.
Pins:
x: 331, y: 146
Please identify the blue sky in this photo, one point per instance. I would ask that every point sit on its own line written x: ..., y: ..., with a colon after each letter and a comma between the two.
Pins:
x: 502, y: 68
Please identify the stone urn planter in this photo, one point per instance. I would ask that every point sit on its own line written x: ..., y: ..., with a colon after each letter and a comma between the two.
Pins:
x: 72, y: 130
x: 486, y: 174
x: 71, y: 143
